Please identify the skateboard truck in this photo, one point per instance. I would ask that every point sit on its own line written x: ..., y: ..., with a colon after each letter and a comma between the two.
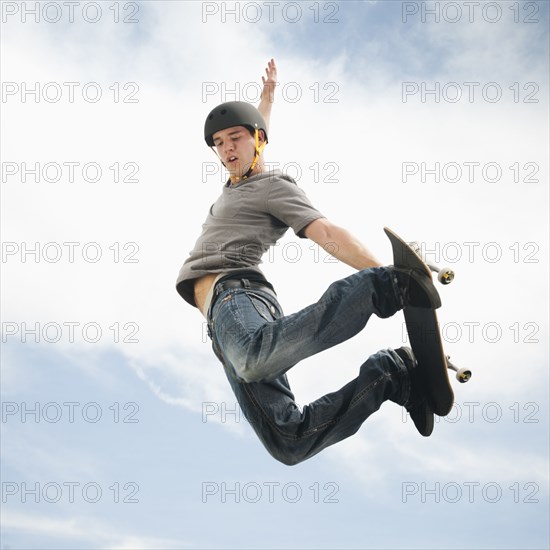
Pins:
x: 462, y: 375
x: 445, y: 275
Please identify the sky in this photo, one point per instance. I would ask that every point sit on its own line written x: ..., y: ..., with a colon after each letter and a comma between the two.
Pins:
x: 119, y: 429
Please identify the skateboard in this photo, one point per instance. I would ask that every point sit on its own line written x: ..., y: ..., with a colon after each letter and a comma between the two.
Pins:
x: 424, y: 333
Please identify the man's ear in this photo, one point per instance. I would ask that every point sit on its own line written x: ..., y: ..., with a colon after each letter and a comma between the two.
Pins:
x: 261, y: 136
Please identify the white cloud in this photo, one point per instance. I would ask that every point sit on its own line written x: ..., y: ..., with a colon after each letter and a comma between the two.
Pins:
x: 81, y: 529
x: 163, y: 212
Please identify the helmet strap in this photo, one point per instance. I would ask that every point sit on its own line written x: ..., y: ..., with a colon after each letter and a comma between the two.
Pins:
x: 258, y: 151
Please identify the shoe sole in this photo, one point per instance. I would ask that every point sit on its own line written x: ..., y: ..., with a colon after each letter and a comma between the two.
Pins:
x: 426, y: 284
x: 426, y: 426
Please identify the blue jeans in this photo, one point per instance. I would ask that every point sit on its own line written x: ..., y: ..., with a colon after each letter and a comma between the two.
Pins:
x: 257, y: 344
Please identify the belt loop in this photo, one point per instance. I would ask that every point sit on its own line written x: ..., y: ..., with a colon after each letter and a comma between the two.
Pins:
x: 245, y: 283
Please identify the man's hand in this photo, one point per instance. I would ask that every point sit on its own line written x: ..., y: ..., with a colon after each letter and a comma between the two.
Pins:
x: 269, y: 82
x: 341, y: 244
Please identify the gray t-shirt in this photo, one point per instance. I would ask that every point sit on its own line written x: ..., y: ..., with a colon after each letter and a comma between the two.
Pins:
x: 242, y: 224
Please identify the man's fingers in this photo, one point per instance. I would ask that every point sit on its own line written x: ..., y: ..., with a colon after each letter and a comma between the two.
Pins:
x: 270, y: 73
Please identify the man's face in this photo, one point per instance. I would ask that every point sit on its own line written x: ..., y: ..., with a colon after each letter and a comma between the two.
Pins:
x: 236, y: 148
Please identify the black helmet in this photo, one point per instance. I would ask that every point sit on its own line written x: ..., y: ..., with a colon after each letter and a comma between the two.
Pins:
x: 233, y: 113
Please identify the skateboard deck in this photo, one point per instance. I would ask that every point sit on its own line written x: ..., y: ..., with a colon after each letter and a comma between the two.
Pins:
x: 424, y: 334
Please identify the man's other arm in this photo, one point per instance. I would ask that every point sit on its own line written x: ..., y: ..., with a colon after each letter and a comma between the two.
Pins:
x: 341, y: 244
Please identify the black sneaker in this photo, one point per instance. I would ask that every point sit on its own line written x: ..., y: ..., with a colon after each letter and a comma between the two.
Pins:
x: 417, y: 405
x: 417, y: 288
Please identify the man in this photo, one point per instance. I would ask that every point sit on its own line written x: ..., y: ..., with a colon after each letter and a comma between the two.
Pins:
x: 255, y: 342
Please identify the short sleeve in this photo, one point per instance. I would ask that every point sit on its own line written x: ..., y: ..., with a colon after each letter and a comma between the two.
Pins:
x: 289, y: 204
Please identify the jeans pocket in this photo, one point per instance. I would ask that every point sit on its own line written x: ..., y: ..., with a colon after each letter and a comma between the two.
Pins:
x: 262, y: 306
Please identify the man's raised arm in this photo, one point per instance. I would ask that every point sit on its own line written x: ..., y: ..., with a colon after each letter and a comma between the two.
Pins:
x: 268, y: 91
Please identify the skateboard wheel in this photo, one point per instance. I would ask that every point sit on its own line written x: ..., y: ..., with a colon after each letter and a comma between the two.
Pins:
x: 463, y: 375
x: 445, y: 275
